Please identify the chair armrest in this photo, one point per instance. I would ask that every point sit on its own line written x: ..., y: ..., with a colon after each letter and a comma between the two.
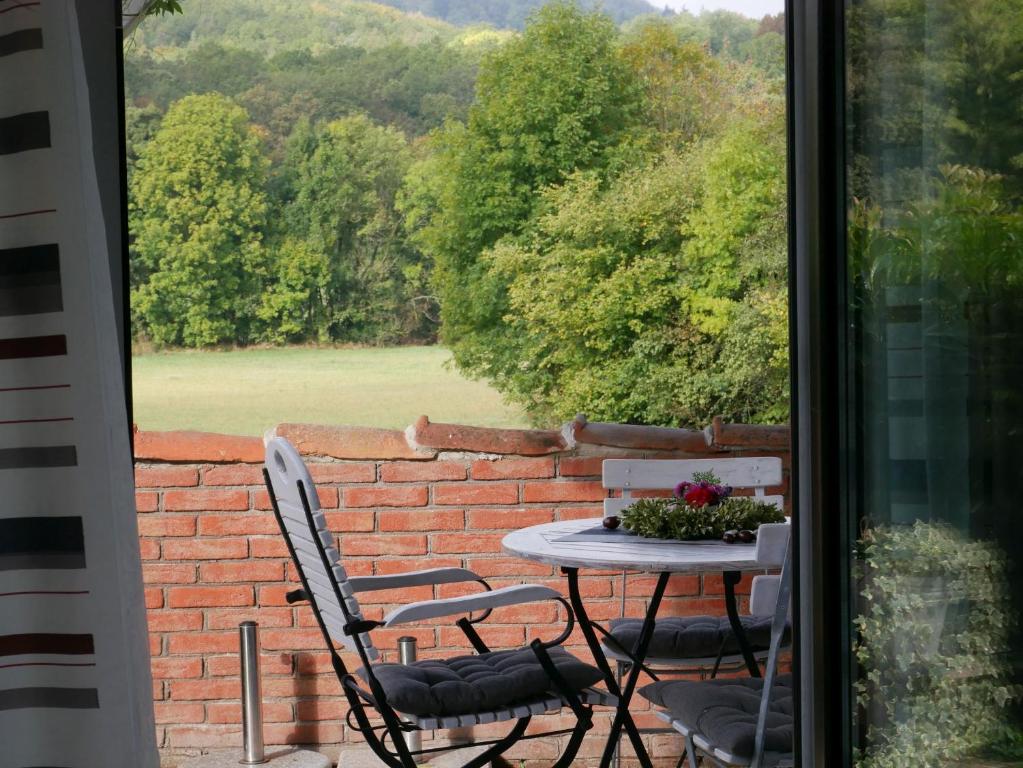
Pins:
x: 412, y: 579
x: 432, y: 609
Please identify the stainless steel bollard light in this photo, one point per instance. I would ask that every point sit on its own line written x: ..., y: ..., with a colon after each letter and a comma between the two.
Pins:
x: 406, y: 656
x: 252, y: 698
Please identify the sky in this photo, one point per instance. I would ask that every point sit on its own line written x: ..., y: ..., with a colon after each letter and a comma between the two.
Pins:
x: 752, y: 8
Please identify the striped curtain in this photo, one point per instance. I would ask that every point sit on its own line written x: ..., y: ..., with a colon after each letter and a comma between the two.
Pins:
x: 75, y: 689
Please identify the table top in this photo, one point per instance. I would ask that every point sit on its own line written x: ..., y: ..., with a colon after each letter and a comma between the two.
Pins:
x: 587, y: 544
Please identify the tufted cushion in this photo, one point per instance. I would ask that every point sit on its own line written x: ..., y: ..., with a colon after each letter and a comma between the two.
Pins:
x: 691, y: 637
x: 725, y: 711
x: 473, y: 684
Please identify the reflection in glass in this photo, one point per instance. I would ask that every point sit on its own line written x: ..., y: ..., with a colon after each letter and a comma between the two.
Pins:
x: 934, y: 163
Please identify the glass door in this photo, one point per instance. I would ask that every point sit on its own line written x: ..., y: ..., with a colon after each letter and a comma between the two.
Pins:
x: 932, y: 379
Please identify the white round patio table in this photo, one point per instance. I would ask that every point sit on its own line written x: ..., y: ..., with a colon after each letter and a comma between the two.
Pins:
x: 586, y: 544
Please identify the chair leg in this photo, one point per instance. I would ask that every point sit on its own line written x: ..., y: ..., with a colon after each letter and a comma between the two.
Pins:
x: 619, y: 676
x: 691, y: 751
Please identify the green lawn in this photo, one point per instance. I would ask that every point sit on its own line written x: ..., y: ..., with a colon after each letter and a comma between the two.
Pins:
x: 245, y: 392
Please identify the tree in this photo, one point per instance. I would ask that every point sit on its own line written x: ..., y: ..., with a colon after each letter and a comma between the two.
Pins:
x: 197, y: 213
x: 556, y: 100
x: 345, y: 185
x: 659, y: 298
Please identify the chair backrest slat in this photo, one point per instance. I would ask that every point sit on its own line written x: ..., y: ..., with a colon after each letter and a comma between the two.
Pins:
x: 757, y: 473
x: 287, y: 474
x: 629, y: 475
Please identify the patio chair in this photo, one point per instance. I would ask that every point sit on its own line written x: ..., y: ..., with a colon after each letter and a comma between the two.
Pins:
x: 743, y: 721
x: 487, y: 687
x: 704, y: 644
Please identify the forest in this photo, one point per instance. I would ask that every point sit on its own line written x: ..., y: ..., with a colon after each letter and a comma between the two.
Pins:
x: 587, y: 208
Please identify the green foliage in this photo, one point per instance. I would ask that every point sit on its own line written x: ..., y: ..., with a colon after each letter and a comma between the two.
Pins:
x: 197, y: 212
x: 345, y: 181
x: 294, y: 301
x: 268, y: 26
x: 674, y: 519
x: 933, y: 634
x: 551, y: 102
x: 659, y: 298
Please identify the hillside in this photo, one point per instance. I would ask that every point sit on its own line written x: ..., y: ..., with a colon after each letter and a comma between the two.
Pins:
x: 510, y: 14
x: 270, y: 26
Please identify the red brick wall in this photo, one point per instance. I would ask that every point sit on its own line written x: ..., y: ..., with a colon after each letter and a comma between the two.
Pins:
x: 436, y: 495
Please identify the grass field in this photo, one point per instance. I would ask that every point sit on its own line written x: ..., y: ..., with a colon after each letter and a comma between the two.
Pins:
x: 245, y: 392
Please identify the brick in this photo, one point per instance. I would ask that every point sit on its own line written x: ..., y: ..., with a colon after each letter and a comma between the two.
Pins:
x: 581, y: 466
x: 241, y: 572
x: 149, y: 549
x: 401, y: 496
x: 291, y: 639
x: 147, y: 501
x: 166, y: 525
x: 230, y: 618
x: 165, y: 477
x: 476, y: 493
x: 178, y: 714
x: 466, y: 542
x: 579, y: 513
x: 554, y: 491
x: 205, y: 549
x: 422, y: 471
x: 422, y: 520
x: 384, y: 544
x: 275, y: 547
x: 275, y: 595
x: 319, y: 709
x: 350, y: 520
x: 231, y: 712
x: 174, y: 621
x: 205, y: 690
x: 206, y: 500
x: 155, y: 644
x: 640, y: 437
x: 234, y: 474
x: 351, y: 442
x: 154, y: 597
x: 203, y: 643
x: 456, y: 437
x: 207, y: 596
x: 237, y: 525
x: 507, y: 519
x: 512, y: 469
x: 168, y: 573
x: 176, y: 668
x: 197, y: 447
x: 749, y: 435
x: 346, y: 472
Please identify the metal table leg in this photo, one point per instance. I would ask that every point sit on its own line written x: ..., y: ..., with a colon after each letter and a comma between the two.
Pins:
x: 622, y: 717
x: 731, y: 578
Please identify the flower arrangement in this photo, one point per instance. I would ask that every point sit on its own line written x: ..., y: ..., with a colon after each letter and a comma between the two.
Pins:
x: 700, y: 509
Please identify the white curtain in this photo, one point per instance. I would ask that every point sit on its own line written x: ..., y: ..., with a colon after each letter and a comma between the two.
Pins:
x: 75, y: 688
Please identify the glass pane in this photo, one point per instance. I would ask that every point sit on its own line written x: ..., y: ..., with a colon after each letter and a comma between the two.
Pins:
x: 934, y: 162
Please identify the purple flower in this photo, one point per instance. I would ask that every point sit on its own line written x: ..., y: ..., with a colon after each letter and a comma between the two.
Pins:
x: 681, y: 488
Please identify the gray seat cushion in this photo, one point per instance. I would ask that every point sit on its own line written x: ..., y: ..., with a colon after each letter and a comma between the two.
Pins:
x: 691, y: 637
x: 472, y: 684
x: 725, y: 711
